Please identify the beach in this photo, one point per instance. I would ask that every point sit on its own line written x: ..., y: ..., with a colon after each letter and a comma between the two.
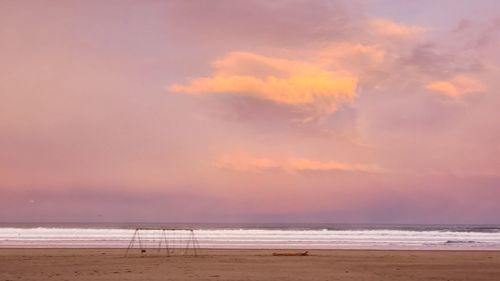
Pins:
x: 111, y: 264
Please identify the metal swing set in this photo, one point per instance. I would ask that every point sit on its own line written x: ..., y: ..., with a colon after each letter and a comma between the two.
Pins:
x: 168, y: 241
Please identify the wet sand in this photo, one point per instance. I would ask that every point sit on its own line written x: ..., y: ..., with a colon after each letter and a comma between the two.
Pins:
x: 105, y: 264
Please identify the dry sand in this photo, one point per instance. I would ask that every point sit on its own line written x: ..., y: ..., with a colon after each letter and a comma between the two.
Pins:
x: 104, y: 264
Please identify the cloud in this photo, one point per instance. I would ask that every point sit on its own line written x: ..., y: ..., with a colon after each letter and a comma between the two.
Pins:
x: 312, y: 81
x: 457, y: 86
x: 283, y: 22
x: 248, y: 163
x: 282, y: 81
x: 390, y: 29
x: 319, y: 79
x: 298, y: 164
x: 352, y: 55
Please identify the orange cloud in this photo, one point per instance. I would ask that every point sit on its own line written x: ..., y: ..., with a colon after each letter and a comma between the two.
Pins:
x: 294, y: 83
x: 391, y: 29
x: 246, y: 163
x: 457, y: 86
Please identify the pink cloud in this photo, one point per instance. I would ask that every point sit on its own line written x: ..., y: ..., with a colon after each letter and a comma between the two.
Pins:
x: 391, y: 29
x: 457, y: 86
x: 248, y: 163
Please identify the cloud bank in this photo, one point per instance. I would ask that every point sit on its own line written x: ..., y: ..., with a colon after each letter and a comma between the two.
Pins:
x: 249, y: 163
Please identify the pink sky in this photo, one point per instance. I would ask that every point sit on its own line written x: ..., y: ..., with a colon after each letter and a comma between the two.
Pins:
x: 378, y: 111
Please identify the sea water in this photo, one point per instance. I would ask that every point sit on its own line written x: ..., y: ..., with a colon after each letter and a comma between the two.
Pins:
x: 255, y: 236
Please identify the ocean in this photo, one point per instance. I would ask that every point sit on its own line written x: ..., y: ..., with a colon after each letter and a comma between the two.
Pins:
x: 254, y: 236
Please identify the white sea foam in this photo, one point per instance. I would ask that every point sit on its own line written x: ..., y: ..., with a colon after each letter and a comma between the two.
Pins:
x: 254, y: 238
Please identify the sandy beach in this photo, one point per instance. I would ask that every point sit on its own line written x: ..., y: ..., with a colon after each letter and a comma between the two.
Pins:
x: 105, y: 264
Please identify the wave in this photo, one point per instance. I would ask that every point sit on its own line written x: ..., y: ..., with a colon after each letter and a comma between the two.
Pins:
x: 461, y: 242
x: 255, y: 238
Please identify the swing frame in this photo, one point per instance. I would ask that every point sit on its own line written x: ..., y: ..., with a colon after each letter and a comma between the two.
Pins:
x: 162, y: 240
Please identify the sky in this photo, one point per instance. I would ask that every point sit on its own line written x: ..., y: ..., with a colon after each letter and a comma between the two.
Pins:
x: 365, y: 111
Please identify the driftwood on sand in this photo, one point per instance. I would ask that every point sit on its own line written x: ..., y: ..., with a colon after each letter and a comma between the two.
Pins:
x: 306, y: 253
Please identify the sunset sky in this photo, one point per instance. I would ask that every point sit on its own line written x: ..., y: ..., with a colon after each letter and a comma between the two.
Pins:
x: 382, y: 111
